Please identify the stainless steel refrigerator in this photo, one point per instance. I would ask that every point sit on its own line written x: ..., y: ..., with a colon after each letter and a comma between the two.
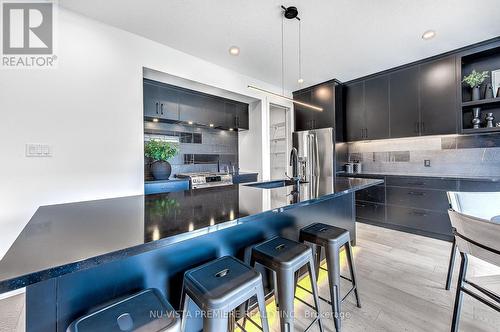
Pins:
x: 316, y: 154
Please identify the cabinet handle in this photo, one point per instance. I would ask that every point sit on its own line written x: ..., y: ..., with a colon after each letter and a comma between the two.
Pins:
x: 362, y: 132
x: 416, y: 127
x: 422, y: 126
x: 157, y: 108
x: 366, y: 132
x: 161, y: 109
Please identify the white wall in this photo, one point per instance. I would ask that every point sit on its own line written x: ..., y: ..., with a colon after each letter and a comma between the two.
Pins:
x: 89, y: 110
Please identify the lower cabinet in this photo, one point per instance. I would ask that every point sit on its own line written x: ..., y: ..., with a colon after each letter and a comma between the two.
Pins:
x: 414, y: 204
x: 158, y: 187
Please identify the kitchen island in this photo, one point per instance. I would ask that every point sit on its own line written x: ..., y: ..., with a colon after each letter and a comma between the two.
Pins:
x: 72, y: 257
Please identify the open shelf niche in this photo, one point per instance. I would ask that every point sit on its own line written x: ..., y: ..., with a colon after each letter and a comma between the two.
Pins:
x: 485, y: 59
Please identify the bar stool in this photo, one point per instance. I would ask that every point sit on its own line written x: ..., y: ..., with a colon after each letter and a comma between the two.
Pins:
x: 219, y: 287
x: 285, y: 257
x: 146, y: 311
x: 332, y: 239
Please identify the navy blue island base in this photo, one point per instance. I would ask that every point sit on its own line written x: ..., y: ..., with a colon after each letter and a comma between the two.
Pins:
x: 74, y: 257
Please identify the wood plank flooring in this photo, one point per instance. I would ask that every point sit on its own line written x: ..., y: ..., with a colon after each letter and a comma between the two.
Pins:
x: 401, y: 284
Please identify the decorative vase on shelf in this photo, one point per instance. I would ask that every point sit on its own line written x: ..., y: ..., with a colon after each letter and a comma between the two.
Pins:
x: 161, y: 170
x: 476, y: 94
x: 488, y: 93
x: 476, y: 121
x: 489, y: 120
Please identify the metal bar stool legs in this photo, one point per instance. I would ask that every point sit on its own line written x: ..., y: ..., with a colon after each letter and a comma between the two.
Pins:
x: 451, y: 264
x: 333, y: 239
x: 285, y: 258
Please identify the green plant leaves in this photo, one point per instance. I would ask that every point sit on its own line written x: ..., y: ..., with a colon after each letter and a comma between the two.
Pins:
x: 475, y: 78
x: 159, y: 150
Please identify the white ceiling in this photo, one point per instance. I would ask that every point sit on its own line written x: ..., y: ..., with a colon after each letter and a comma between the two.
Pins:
x: 341, y: 39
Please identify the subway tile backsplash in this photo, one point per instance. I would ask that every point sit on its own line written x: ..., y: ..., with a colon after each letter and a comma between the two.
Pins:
x: 200, y: 148
x: 472, y: 155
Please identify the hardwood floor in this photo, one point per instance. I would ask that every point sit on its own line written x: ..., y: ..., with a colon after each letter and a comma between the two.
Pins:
x: 401, y: 284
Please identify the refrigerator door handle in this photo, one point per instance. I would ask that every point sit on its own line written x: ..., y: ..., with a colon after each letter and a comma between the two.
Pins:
x: 316, y: 156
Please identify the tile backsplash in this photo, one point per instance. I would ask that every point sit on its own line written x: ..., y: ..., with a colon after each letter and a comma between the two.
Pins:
x: 200, y: 148
x: 471, y: 155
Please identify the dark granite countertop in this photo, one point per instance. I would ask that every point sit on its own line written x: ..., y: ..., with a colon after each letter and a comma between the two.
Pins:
x: 64, y: 238
x: 424, y: 175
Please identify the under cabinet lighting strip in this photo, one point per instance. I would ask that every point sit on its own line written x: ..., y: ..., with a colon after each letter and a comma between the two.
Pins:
x: 316, y: 108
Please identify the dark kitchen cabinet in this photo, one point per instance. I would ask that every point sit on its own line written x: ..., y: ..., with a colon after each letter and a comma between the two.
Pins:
x: 355, y: 111
x: 403, y: 102
x: 412, y: 204
x: 328, y: 96
x: 169, y: 104
x: 304, y: 116
x: 438, y: 97
x: 192, y: 108
x: 151, y: 100
x: 216, y: 112
x: 417, y: 100
x: 242, y: 117
x: 377, y: 107
x: 160, y: 102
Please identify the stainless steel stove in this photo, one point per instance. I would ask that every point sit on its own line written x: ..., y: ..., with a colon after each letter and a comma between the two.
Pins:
x: 207, y: 179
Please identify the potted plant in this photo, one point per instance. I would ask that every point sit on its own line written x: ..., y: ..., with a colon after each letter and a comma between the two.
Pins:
x: 160, y: 152
x: 474, y: 80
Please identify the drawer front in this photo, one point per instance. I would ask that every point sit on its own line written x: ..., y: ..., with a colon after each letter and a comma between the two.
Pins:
x: 245, y: 178
x: 370, y: 211
x: 419, y: 182
x: 421, y: 220
x: 477, y: 186
x: 374, y: 194
x: 418, y: 198
x: 165, y: 187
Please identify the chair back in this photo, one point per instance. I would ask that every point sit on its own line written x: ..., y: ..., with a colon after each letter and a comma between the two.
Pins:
x: 484, y: 205
x: 475, y: 236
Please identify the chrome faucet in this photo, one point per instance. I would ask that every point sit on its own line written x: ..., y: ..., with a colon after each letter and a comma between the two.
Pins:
x: 294, y: 162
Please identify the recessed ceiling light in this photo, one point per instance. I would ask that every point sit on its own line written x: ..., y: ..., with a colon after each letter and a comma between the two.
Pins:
x: 234, y: 50
x: 155, y: 120
x: 300, y: 80
x: 190, y: 122
x: 211, y: 125
x: 231, y: 129
x: 429, y: 34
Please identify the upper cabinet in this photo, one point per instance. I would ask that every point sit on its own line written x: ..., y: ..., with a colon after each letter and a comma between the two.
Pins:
x: 355, y: 115
x: 403, y: 102
x: 438, y: 97
x: 173, y: 104
x: 328, y: 96
x: 412, y: 101
x: 377, y: 107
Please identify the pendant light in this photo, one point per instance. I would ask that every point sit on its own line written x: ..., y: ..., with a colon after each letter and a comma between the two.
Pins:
x: 288, y: 13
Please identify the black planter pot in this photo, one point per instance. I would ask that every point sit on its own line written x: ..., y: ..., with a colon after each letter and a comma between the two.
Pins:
x: 161, y: 170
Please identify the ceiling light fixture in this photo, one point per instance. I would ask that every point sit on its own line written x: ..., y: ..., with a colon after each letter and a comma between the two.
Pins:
x: 289, y: 13
x: 190, y: 122
x: 429, y: 34
x: 234, y: 50
x: 316, y: 108
x: 211, y: 125
x: 155, y: 120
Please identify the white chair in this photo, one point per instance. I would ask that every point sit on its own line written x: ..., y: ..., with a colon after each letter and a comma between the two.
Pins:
x: 479, y: 238
x: 484, y: 205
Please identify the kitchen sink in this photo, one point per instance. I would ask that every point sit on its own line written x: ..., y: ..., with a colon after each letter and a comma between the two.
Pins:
x: 272, y: 184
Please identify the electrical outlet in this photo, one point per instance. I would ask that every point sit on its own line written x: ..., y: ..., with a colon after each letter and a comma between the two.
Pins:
x: 38, y: 150
x: 427, y: 163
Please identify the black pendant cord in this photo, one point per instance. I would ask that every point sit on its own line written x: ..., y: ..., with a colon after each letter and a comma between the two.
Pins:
x: 300, y: 51
x: 282, y: 55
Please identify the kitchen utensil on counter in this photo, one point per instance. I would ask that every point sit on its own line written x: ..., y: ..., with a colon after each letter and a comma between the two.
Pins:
x: 357, y: 167
x: 349, y: 168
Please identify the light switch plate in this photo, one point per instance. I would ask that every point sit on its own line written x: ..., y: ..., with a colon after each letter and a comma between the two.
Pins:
x: 38, y: 150
x: 427, y: 163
